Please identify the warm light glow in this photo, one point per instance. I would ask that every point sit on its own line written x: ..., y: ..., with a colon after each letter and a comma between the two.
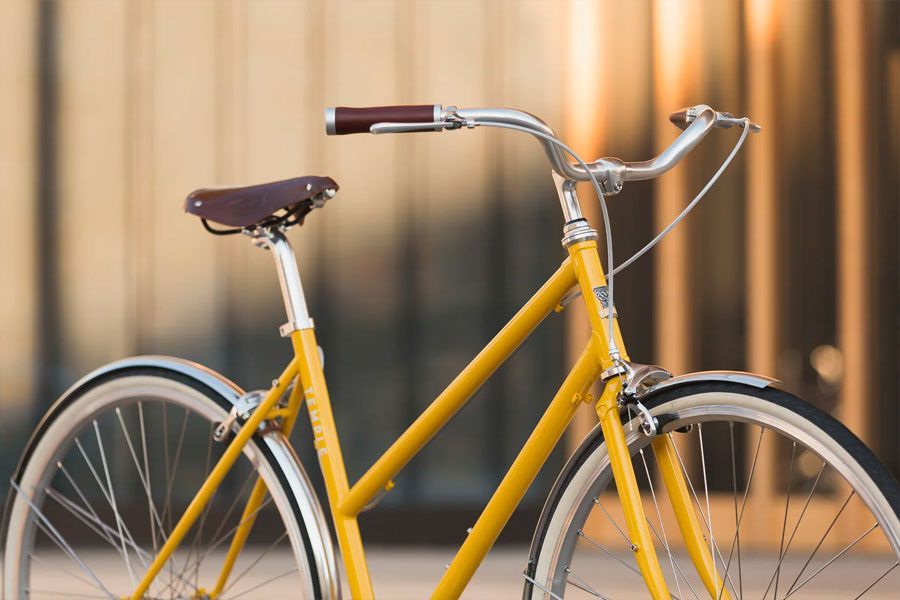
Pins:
x: 675, y: 43
x: 761, y: 21
x: 584, y: 104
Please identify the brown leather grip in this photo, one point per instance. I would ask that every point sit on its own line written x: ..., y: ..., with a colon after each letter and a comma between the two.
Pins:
x: 343, y: 120
x: 679, y: 119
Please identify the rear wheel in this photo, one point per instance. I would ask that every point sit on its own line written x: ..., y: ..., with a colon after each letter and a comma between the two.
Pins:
x: 102, y: 487
x: 791, y: 504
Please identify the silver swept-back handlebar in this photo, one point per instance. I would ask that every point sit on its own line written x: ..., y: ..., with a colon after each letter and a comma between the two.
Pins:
x: 612, y: 173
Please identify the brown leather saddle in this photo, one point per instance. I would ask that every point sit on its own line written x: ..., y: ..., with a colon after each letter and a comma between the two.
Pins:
x: 279, y: 202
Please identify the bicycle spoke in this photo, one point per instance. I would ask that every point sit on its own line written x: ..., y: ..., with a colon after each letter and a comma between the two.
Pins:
x: 228, y: 533
x: 709, y: 526
x: 151, y: 506
x: 784, y: 553
x: 598, y: 545
x: 51, y: 531
x: 819, y: 545
x: 145, y: 482
x: 167, y: 507
x: 613, y: 521
x: 112, y: 502
x: 628, y: 541
x: 740, y: 518
x: 677, y: 566
x: 198, y: 531
x: 787, y: 504
x: 831, y: 561
x: 712, y: 540
x: 736, y: 521
x: 105, y: 531
x: 35, y: 558
x: 665, y: 539
x: 581, y: 584
x: 255, y: 562
x: 71, y: 481
x: 103, y: 489
x: 540, y: 587
x: 874, y: 583
x: 266, y: 582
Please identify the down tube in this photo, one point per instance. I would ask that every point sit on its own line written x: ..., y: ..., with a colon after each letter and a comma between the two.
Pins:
x: 378, y: 477
x: 523, y: 471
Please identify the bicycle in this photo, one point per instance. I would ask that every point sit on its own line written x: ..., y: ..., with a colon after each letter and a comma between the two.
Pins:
x: 107, y: 442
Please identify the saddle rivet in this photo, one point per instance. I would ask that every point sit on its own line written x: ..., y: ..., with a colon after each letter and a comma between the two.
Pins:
x: 198, y: 203
x: 308, y: 186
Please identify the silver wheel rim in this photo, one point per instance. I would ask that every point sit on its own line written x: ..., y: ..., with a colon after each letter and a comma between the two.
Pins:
x: 592, y: 477
x: 80, y: 419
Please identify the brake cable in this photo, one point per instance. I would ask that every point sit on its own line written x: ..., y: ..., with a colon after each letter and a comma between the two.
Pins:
x: 612, y: 269
x: 613, y: 348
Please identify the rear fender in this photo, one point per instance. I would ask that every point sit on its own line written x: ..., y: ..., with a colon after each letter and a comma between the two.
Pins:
x: 321, y: 547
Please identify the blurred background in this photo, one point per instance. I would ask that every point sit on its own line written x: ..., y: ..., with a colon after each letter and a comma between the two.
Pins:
x: 112, y: 111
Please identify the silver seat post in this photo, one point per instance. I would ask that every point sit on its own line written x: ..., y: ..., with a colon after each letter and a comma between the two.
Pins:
x: 298, y: 317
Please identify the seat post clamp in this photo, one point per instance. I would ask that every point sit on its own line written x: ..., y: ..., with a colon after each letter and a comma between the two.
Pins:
x: 291, y: 326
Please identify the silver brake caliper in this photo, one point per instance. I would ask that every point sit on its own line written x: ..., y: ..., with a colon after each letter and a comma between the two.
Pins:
x: 242, y: 409
x: 637, y: 379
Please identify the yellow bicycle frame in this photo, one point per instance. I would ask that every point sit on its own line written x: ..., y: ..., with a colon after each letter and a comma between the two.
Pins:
x: 581, y: 268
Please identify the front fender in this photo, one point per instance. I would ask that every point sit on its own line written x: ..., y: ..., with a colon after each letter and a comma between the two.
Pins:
x: 321, y: 548
x: 595, y: 436
x: 759, y: 381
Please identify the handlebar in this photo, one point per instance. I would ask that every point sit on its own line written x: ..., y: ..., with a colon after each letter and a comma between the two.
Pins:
x: 696, y: 121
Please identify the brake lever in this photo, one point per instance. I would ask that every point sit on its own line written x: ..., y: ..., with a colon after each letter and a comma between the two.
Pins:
x: 407, y: 127
x: 724, y: 120
x: 450, y: 123
x: 728, y: 120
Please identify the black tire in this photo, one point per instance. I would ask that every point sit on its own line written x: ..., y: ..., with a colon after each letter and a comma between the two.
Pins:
x: 885, y: 491
x: 70, y: 411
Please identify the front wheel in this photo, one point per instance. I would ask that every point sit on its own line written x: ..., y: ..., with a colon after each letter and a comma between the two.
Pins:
x: 791, y: 504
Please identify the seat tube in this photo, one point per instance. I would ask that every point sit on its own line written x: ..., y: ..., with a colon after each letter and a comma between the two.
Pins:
x: 581, y: 242
x: 311, y: 379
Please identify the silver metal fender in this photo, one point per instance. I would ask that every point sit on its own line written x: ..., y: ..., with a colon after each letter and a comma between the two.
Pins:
x: 759, y: 381
x: 314, y: 522
x: 590, y: 441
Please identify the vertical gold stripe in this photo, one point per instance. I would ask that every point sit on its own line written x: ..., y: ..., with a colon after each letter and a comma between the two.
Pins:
x: 675, y: 46
x: 852, y: 212
x: 18, y: 167
x: 762, y: 23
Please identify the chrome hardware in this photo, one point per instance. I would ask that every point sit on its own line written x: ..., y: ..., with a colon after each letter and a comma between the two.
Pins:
x: 613, y: 371
x: 640, y: 379
x: 274, y: 239
x: 649, y: 425
x: 577, y: 231
x: 725, y: 120
x: 388, y: 127
x: 330, y: 127
x: 319, y: 200
x: 242, y: 409
x: 286, y: 329
x: 568, y: 199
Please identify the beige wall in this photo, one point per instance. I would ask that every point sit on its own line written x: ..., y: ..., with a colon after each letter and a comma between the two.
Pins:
x: 134, y: 104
